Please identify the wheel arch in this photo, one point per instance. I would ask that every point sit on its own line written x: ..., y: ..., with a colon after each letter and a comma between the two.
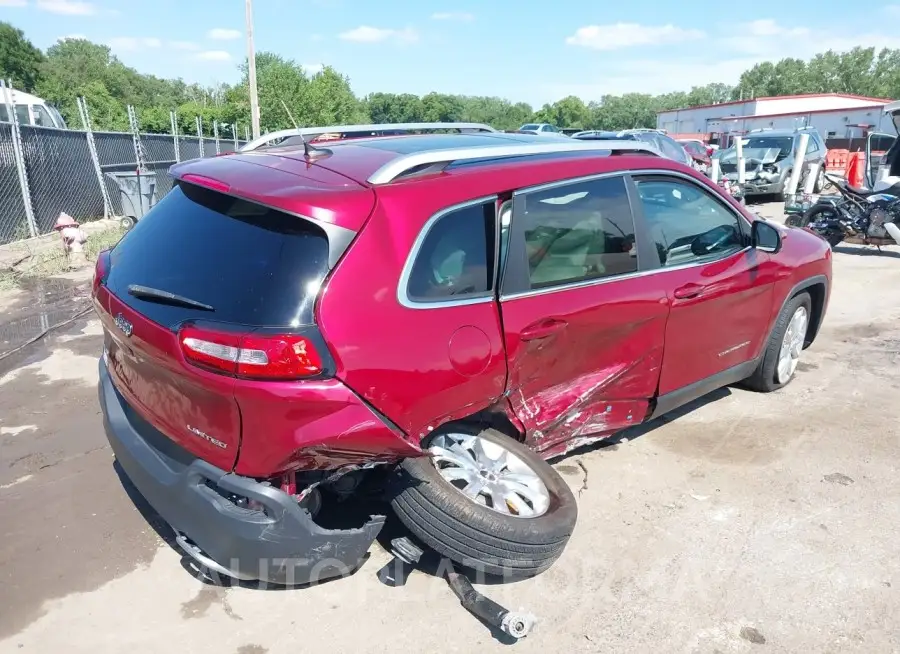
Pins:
x: 817, y: 287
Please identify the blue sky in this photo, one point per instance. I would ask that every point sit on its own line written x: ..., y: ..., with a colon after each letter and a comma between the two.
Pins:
x: 536, y: 52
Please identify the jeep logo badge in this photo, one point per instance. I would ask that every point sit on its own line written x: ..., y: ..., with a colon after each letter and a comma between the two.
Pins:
x: 124, y: 325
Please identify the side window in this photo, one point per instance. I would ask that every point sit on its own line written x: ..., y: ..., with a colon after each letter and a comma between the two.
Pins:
x: 577, y: 232
x: 686, y: 224
x: 41, y: 116
x: 23, y: 115
x: 456, y: 258
x: 4, y: 114
x: 812, y: 146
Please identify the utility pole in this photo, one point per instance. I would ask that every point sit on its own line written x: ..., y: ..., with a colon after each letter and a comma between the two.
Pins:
x: 251, y: 63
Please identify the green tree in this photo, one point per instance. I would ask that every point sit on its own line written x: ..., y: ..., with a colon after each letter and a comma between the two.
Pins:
x: 20, y: 61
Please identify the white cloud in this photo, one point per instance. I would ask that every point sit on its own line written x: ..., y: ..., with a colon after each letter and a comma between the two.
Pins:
x: 68, y: 7
x: 224, y: 34
x: 73, y: 37
x: 453, y: 15
x: 740, y: 47
x: 627, y: 35
x: 213, y: 55
x: 367, y: 34
x: 183, y: 45
x: 133, y: 43
x: 312, y: 69
x: 13, y: 3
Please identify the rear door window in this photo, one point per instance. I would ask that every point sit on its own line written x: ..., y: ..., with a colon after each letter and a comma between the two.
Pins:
x: 571, y: 233
x: 455, y: 260
x: 252, y: 264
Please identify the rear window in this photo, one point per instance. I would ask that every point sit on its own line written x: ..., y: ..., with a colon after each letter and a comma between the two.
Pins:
x: 253, y: 265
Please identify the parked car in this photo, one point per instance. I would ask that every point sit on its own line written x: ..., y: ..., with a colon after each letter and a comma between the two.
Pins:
x: 541, y: 129
x: 699, y: 154
x: 429, y: 317
x: 665, y: 145
x: 30, y: 110
x: 769, y: 159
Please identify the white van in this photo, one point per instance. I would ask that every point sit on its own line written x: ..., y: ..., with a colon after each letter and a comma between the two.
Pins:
x: 31, y: 110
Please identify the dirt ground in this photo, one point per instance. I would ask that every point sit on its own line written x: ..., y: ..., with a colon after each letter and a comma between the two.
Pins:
x: 743, y: 523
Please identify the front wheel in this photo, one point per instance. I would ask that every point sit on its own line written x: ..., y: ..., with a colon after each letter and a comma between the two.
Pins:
x: 786, y: 342
x: 487, y: 502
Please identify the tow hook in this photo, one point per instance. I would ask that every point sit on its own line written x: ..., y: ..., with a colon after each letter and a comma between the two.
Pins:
x: 407, y: 555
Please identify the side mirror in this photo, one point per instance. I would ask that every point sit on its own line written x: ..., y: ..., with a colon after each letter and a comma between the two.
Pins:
x: 765, y: 237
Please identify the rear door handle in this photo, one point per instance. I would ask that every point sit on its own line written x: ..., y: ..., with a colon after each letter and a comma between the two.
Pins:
x: 542, y: 329
x: 688, y: 291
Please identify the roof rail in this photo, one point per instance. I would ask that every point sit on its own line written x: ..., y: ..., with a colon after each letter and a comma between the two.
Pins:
x: 403, y: 164
x: 265, y: 139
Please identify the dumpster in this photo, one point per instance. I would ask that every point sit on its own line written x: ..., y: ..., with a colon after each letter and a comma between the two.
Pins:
x: 137, y: 191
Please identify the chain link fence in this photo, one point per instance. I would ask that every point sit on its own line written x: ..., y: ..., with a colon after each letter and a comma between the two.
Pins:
x: 54, y: 170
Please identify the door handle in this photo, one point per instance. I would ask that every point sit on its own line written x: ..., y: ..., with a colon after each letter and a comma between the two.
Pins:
x: 542, y: 329
x: 688, y: 291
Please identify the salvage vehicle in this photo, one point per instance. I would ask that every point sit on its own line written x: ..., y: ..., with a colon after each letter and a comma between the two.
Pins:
x: 769, y: 156
x: 430, y: 318
x: 699, y: 154
x: 664, y: 144
x: 541, y: 129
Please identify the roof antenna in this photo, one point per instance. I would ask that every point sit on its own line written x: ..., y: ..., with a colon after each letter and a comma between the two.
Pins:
x: 309, y: 150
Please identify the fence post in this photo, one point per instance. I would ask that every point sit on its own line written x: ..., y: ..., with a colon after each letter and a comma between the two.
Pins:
x: 234, y: 134
x: 136, y: 139
x: 200, y: 136
x: 95, y: 159
x: 173, y: 117
x: 19, y: 156
x: 246, y: 133
x: 216, y: 137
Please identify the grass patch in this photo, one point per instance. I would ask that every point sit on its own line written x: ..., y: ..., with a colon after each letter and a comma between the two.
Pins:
x: 53, y: 260
x: 8, y: 280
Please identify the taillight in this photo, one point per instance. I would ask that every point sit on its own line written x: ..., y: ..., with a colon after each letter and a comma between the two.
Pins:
x: 101, y: 270
x: 251, y: 356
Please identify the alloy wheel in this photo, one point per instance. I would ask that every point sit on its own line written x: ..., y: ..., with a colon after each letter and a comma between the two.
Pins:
x: 792, y: 346
x: 489, y: 475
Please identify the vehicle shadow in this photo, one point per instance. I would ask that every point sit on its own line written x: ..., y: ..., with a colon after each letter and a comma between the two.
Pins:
x: 866, y: 251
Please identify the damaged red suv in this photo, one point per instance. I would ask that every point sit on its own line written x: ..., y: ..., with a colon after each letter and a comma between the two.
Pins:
x: 432, y: 316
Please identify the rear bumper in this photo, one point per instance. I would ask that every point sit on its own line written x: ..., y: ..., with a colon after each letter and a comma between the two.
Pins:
x: 281, y: 545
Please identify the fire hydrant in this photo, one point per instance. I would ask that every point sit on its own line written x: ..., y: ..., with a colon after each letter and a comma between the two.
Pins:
x: 73, y: 240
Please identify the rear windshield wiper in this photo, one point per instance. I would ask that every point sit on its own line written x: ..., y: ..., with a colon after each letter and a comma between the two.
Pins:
x: 155, y: 294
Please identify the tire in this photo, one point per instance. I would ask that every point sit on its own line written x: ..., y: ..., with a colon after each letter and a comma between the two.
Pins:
x: 811, y: 215
x: 820, y: 180
x: 766, y: 378
x: 475, y: 535
x: 795, y: 220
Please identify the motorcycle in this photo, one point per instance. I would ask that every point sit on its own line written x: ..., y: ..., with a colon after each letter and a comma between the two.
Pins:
x: 854, y: 215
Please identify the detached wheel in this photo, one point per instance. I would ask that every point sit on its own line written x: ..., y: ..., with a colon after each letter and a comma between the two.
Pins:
x: 487, y: 502
x: 127, y: 222
x: 786, y: 343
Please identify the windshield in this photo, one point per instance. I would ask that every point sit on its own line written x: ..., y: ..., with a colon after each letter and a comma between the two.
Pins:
x: 60, y: 122
x: 530, y: 127
x: 763, y: 148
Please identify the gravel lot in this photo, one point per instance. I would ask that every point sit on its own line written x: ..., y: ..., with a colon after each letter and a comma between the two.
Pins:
x: 744, y: 523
